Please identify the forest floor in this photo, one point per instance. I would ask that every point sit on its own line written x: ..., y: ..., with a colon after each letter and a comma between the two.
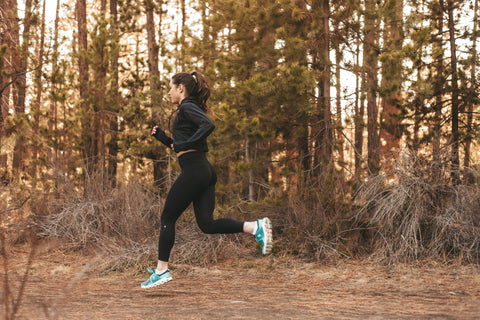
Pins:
x: 65, y: 286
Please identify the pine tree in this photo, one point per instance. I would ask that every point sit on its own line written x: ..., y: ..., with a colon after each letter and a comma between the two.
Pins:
x: 88, y: 131
x: 249, y: 67
x: 55, y: 97
x: 295, y: 83
x: 472, y: 95
x: 322, y: 126
x: 439, y: 78
x: 156, y: 152
x: 392, y: 77
x: 18, y: 90
x: 370, y: 54
x: 39, y: 90
x: 359, y: 116
x: 345, y: 33
x: 103, y: 56
x: 4, y: 90
x: 112, y: 141
x: 455, y: 141
x: 439, y: 86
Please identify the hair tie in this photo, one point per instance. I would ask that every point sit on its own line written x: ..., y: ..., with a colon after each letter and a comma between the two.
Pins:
x: 194, y: 77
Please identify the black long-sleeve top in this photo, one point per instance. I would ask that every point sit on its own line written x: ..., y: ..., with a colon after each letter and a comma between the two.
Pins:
x: 190, y: 128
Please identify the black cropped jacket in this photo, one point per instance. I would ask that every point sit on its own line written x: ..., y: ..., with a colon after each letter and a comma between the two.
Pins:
x: 190, y: 128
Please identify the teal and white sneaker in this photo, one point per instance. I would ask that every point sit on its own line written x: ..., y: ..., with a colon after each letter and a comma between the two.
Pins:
x: 264, y: 235
x: 156, y: 279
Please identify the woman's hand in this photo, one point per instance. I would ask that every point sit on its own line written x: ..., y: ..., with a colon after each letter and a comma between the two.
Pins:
x: 160, y: 135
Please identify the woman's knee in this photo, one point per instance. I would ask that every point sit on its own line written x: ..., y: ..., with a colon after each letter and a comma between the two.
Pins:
x: 167, y: 222
x: 206, y: 226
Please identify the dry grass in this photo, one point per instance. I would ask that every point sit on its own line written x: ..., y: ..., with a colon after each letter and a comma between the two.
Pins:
x: 11, y: 297
x: 14, y: 224
x: 127, y: 214
x: 418, y: 212
x: 123, y: 224
x: 412, y: 212
x: 315, y: 222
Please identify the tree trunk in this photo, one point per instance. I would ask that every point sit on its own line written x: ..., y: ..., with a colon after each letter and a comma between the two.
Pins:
x: 24, y: 54
x: 152, y: 47
x: 392, y: 77
x: 359, y: 116
x: 417, y: 112
x: 371, y: 51
x: 53, y: 125
x: 155, y: 87
x: 18, y: 104
x: 249, y: 160
x: 323, y: 126
x: 113, y: 118
x: 182, y: 33
x: 4, y: 89
x: 38, y: 85
x: 455, y: 108
x: 439, y: 81
x: 100, y: 114
x: 473, y: 89
x: 89, y: 152
x: 303, y: 150
x: 339, y: 126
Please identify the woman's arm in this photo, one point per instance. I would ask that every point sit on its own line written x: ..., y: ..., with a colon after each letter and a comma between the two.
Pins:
x: 204, y: 125
x: 160, y: 135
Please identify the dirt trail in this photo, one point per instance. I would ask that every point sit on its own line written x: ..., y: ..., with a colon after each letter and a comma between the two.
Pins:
x: 261, y: 288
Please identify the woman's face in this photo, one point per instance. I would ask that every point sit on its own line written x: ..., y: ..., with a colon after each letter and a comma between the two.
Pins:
x: 175, y: 93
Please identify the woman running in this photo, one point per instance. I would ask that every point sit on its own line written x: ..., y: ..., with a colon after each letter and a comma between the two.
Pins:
x: 196, y: 183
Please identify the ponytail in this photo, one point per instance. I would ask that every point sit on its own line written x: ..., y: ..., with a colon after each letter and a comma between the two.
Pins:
x: 196, y: 85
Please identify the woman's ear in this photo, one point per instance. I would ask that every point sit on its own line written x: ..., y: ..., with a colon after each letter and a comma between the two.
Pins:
x: 181, y: 87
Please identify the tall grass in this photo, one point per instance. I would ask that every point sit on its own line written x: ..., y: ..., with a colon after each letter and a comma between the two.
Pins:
x: 419, y: 212
x: 124, y: 223
x: 315, y: 222
x: 14, y: 225
x: 412, y: 211
x: 123, y: 215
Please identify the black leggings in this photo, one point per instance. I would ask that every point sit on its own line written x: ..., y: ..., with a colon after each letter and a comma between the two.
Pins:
x: 195, y: 184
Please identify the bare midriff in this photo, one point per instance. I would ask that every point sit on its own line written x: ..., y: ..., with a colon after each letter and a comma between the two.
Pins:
x: 186, y: 151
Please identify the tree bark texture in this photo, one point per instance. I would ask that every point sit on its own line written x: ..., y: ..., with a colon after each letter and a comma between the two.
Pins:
x: 371, y: 51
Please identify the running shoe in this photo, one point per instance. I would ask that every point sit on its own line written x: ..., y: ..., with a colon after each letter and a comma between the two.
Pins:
x: 264, y: 235
x: 156, y: 279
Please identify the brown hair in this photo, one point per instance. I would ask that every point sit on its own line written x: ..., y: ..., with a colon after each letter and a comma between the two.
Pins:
x: 196, y: 85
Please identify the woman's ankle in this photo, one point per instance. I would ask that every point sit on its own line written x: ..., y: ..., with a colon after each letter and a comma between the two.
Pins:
x: 162, y: 266
x: 250, y: 227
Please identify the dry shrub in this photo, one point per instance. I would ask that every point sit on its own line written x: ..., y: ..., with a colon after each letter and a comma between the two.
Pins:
x: 419, y: 212
x: 15, y: 214
x: 15, y: 227
x: 313, y: 232
x: 124, y: 215
x: 124, y: 224
x: 194, y: 247
x: 457, y: 232
x: 119, y: 222
x: 314, y: 223
x: 13, y: 290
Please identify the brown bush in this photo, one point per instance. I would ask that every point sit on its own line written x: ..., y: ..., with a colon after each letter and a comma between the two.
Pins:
x: 315, y: 223
x: 124, y: 224
x: 419, y: 212
x: 124, y: 215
